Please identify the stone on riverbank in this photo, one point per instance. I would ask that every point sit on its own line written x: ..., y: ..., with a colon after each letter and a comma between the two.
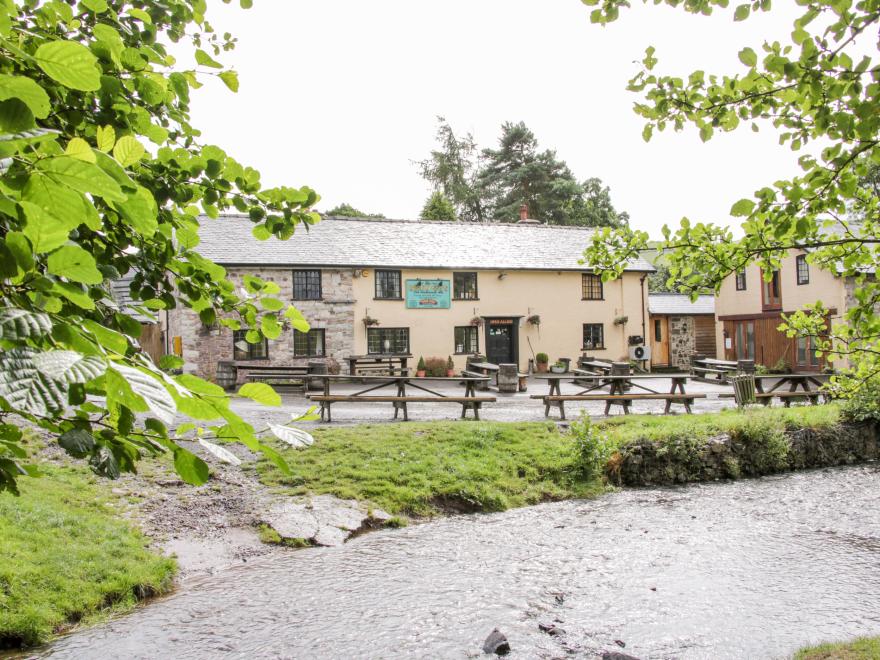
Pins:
x: 322, y: 520
x: 496, y: 643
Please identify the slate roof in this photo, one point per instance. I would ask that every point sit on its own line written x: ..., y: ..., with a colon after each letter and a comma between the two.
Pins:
x: 121, y: 293
x: 359, y: 242
x: 676, y: 303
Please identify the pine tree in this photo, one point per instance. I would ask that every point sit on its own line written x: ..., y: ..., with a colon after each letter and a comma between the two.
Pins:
x: 438, y: 207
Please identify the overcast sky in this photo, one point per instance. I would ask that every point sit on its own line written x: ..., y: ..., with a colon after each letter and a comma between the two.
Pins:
x: 342, y: 95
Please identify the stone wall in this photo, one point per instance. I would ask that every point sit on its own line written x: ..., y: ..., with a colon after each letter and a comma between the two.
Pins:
x: 650, y: 463
x: 682, y: 341
x: 204, y: 346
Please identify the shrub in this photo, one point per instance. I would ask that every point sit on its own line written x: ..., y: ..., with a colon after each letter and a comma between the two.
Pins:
x: 435, y: 366
x: 761, y: 446
x: 421, y: 365
x: 542, y: 358
x: 864, y: 406
x: 450, y: 365
x: 593, y: 447
x: 781, y: 367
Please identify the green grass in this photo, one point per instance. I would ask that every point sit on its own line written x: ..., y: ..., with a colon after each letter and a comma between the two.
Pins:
x: 67, y: 555
x: 864, y: 648
x: 425, y: 469
x: 422, y: 469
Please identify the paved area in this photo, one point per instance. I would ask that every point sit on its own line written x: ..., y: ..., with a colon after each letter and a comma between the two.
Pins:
x: 516, y: 407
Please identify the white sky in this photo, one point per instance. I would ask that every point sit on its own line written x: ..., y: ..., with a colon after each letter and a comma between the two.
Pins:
x: 342, y: 95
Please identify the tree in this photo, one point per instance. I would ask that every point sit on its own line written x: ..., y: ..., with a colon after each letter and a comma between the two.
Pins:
x: 593, y: 207
x: 438, y: 207
x: 453, y: 169
x: 346, y: 210
x: 819, y: 88
x: 101, y: 175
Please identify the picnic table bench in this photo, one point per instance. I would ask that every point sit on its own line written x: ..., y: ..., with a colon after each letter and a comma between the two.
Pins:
x: 710, y: 369
x: 276, y: 374
x: 400, y: 399
x: 794, y: 381
x: 384, y: 362
x: 617, y: 394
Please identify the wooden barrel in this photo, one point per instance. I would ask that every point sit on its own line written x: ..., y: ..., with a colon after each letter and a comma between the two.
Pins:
x: 508, y: 378
x: 227, y: 375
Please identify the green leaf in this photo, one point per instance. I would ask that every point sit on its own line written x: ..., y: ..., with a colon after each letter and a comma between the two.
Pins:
x: 95, y: 6
x: 69, y: 367
x: 111, y: 340
x: 261, y: 393
x: 294, y: 437
x: 45, y: 232
x: 66, y: 205
x: 79, y: 148
x: 748, y: 57
x: 220, y: 452
x: 271, y: 304
x: 81, y: 176
x: 24, y: 387
x: 128, y: 151
x: 206, y: 60
x: 27, y: 91
x: 742, y: 12
x: 230, y: 78
x: 74, y: 293
x: 742, y: 208
x: 74, y: 263
x: 270, y: 326
x: 19, y: 324
x: 21, y: 249
x: 192, y: 469
x: 77, y: 442
x: 106, y: 138
x: 154, y: 393
x: 15, y: 116
x: 71, y: 64
x: 141, y: 212
x: 297, y: 320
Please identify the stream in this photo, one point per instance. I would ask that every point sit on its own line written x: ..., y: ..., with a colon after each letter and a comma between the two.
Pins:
x: 747, y: 569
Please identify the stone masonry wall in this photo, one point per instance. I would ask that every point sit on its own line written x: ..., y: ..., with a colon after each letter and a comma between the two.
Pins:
x: 682, y: 341
x: 203, y: 347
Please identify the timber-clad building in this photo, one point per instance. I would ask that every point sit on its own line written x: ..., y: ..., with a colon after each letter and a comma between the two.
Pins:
x: 430, y: 289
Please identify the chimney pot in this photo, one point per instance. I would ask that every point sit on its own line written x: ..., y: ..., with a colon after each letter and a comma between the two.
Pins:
x: 524, y: 212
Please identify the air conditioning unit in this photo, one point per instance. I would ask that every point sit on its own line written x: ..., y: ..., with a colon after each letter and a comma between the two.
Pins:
x: 640, y: 352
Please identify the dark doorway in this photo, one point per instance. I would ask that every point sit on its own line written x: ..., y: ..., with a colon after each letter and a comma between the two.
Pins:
x: 501, y: 340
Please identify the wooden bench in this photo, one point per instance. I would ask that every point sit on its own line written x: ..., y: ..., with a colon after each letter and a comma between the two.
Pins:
x: 624, y: 400
x: 400, y: 402
x: 277, y: 375
x: 766, y: 398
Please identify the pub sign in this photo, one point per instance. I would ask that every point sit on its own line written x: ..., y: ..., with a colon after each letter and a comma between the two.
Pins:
x: 427, y: 294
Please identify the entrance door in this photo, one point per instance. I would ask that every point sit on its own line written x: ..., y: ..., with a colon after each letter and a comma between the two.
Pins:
x: 499, y: 341
x: 660, y: 341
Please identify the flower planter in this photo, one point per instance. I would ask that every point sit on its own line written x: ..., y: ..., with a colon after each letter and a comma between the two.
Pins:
x: 557, y: 370
x: 420, y: 374
x: 542, y: 367
x: 450, y: 373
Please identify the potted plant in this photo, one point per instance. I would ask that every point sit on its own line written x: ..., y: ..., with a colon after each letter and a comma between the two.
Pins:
x: 369, y: 320
x: 558, y: 368
x: 621, y: 320
x: 476, y: 322
x: 541, y: 361
x: 534, y: 319
x: 420, y: 369
x: 450, y: 367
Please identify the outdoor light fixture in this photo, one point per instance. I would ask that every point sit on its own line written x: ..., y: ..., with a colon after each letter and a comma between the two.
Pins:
x: 502, y: 275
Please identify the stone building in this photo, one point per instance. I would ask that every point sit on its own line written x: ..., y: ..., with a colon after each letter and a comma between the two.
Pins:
x: 680, y: 328
x: 426, y: 289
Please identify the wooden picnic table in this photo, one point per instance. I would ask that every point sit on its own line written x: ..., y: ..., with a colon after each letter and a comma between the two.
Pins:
x: 794, y: 381
x: 470, y: 401
x: 378, y: 360
x: 617, y: 386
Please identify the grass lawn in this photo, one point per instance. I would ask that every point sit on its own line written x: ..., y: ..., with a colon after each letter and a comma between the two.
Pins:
x: 864, y: 648
x: 67, y: 556
x: 423, y: 469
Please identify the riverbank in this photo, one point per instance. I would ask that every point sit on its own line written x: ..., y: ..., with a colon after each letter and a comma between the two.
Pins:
x: 864, y: 648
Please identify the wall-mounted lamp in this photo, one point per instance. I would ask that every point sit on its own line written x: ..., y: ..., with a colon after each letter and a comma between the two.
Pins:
x: 502, y: 275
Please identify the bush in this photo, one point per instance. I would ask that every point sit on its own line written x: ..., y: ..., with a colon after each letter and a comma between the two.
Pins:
x: 864, y: 406
x: 450, y: 365
x: 542, y: 358
x: 435, y: 366
x: 421, y: 364
x: 761, y: 446
x: 593, y: 448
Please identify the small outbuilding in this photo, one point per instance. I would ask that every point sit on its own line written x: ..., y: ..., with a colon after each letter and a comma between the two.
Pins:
x: 680, y: 328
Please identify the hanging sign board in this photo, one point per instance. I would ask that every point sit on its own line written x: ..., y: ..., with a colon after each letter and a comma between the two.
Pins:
x: 427, y: 294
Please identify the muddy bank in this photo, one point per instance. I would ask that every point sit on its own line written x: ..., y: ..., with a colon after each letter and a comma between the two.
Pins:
x: 744, y: 453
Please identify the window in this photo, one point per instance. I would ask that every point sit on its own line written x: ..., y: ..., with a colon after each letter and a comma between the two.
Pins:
x: 806, y: 353
x: 745, y: 340
x: 464, y: 286
x: 771, y: 292
x: 388, y: 284
x: 242, y: 349
x: 658, y: 330
x: 307, y: 285
x: 308, y: 344
x: 741, y: 280
x: 467, y: 339
x: 594, y: 336
x: 592, y: 287
x: 388, y: 340
x: 803, y: 269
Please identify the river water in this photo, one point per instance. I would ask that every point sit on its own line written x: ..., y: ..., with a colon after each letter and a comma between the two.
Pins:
x: 748, y: 569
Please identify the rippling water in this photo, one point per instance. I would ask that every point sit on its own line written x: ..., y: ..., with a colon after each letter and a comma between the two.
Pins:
x: 750, y: 569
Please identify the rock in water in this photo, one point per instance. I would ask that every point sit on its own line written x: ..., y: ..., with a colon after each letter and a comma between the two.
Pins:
x: 617, y: 655
x: 496, y: 643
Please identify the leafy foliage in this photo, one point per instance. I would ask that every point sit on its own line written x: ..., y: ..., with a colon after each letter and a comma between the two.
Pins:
x: 438, y: 207
x: 102, y: 175
x: 348, y: 211
x: 819, y: 88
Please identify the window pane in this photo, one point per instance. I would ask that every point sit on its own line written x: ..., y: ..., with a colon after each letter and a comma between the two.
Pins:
x: 464, y: 286
x: 658, y: 335
x: 388, y: 284
x: 741, y: 281
x: 243, y: 350
x: 307, y: 285
x: 466, y: 339
x: 592, y: 287
x: 593, y: 336
x: 750, y: 340
x: 387, y: 340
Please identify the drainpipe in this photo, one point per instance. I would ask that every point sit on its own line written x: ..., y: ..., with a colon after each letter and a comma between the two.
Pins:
x: 644, y: 321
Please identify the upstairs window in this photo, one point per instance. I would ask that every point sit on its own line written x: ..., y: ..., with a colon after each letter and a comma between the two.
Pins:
x: 307, y: 285
x: 594, y: 336
x: 591, y: 287
x: 741, y: 280
x: 803, y: 269
x: 242, y: 349
x: 771, y: 292
x: 464, y: 286
x: 308, y: 344
x: 388, y: 285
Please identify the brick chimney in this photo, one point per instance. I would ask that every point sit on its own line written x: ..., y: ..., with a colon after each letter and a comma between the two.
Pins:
x: 524, y: 212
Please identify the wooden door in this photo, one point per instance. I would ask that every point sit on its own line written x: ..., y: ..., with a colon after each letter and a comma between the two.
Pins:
x: 660, y: 341
x: 499, y: 342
